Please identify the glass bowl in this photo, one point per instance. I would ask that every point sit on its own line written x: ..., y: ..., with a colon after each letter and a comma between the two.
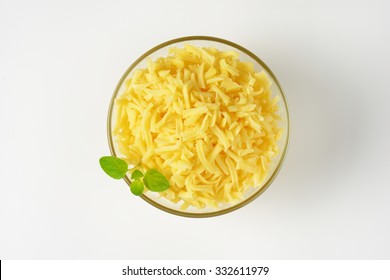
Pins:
x: 244, y: 55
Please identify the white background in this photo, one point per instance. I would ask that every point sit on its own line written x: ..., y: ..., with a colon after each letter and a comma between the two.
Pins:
x: 59, y: 64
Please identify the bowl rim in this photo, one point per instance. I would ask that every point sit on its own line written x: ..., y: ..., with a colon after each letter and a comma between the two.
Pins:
x: 254, y: 57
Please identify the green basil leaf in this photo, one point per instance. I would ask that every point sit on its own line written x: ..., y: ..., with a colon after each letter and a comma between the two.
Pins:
x: 114, y: 167
x: 137, y: 187
x: 155, y: 181
x: 137, y: 174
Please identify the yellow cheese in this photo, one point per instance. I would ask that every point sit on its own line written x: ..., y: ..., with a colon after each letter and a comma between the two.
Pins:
x: 205, y: 119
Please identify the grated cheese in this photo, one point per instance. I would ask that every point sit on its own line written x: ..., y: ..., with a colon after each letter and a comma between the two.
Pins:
x: 203, y: 118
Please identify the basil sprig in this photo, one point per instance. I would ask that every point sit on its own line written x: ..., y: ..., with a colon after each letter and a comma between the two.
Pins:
x: 152, y: 179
